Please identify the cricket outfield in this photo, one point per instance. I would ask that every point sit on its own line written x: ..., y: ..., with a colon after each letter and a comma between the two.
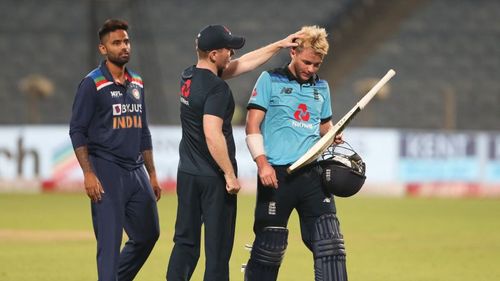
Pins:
x: 49, y: 237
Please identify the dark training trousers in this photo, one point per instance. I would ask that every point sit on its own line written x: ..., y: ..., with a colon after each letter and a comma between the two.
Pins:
x: 202, y: 200
x: 128, y: 202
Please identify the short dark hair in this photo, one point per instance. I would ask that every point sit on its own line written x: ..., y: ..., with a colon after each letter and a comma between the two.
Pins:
x: 111, y: 25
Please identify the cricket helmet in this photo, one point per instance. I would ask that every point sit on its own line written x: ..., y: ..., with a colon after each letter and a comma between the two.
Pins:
x: 343, y: 172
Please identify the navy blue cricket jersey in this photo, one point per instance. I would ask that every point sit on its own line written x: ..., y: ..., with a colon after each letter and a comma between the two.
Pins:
x: 110, y: 118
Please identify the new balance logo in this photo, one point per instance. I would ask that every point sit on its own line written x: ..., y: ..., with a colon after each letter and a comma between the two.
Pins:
x: 286, y: 90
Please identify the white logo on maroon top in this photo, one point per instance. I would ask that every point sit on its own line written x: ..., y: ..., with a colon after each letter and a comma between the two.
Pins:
x: 117, y: 109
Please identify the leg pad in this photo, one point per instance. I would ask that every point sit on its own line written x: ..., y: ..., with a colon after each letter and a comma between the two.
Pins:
x: 267, y: 254
x: 329, y: 250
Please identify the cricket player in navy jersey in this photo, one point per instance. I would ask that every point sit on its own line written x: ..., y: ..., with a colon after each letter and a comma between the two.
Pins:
x: 207, y: 181
x: 289, y: 110
x: 112, y: 142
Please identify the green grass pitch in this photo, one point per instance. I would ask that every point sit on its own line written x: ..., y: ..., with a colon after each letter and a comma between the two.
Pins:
x: 49, y: 237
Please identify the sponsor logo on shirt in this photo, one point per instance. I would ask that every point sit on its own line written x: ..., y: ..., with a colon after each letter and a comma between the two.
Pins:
x: 123, y: 121
x: 121, y: 109
x: 302, y: 116
x: 185, y: 92
x: 184, y: 101
x: 116, y: 94
x: 254, y: 92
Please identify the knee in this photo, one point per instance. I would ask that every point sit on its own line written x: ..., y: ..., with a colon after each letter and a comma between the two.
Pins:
x: 148, y: 239
x: 267, y: 254
x: 269, y: 246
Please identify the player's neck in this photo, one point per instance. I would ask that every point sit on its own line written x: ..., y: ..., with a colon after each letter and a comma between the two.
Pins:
x: 207, y: 65
x: 118, y: 72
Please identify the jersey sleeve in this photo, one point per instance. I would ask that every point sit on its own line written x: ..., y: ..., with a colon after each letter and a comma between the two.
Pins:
x: 83, y: 110
x: 326, y: 110
x: 146, y: 142
x: 217, y: 100
x: 261, y: 93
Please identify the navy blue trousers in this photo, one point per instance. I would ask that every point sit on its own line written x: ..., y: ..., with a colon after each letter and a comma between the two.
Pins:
x: 129, y: 204
x: 301, y: 191
x: 202, y: 200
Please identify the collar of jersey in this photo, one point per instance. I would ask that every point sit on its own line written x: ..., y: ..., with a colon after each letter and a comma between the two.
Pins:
x: 109, y: 77
x: 286, y: 71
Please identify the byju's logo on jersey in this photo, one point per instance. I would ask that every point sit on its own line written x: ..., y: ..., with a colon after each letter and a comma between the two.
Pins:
x: 117, y: 109
x: 122, y: 119
x: 121, y: 109
x: 302, y: 114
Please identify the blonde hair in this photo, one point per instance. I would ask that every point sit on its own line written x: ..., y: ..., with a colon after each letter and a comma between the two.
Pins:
x: 313, y: 37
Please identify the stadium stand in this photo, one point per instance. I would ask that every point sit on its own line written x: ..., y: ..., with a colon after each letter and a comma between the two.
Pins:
x: 447, y: 59
x: 444, y: 51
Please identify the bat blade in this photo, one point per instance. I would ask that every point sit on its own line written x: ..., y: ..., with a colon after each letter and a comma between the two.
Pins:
x: 324, y: 142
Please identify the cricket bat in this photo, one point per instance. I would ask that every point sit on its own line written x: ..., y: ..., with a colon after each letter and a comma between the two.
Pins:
x: 317, y: 149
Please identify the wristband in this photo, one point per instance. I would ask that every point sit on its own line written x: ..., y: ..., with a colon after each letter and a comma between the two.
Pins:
x: 255, y: 143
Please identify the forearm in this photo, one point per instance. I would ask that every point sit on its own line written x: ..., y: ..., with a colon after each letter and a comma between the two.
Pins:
x: 82, y: 154
x: 254, y: 139
x: 217, y: 147
x: 256, y: 58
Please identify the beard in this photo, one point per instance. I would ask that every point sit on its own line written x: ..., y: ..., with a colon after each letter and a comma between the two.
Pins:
x: 118, y: 61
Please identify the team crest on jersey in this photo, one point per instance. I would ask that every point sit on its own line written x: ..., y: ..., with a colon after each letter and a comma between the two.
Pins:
x: 316, y: 94
x: 136, y: 94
